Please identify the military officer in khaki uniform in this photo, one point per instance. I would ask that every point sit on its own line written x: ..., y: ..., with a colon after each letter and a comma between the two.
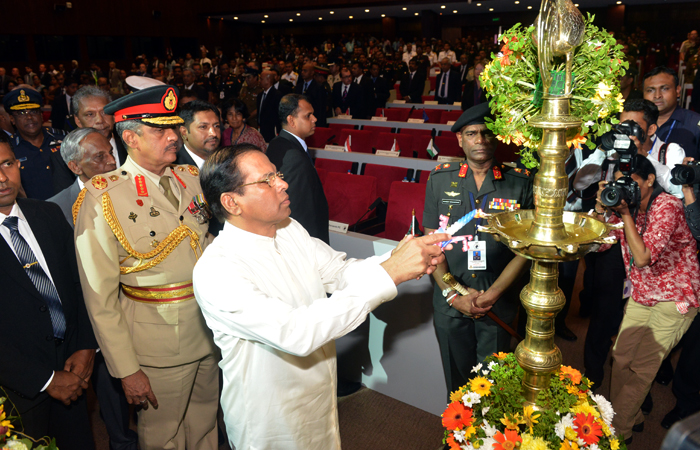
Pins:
x: 488, y: 269
x: 139, y: 231
x: 249, y: 94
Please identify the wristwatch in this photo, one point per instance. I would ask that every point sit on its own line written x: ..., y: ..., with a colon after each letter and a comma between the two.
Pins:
x: 446, y: 291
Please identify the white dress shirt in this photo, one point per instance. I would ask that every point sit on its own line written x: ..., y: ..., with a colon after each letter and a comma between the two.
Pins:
x: 115, y: 152
x: 447, y: 54
x: 301, y: 141
x: 265, y: 301
x: 197, y: 160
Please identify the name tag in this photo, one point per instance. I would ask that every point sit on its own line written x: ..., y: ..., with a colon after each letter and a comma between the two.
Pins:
x: 343, y: 116
x: 416, y: 121
x: 476, y: 255
x: 399, y: 102
x: 388, y: 153
x: 451, y: 122
x: 379, y: 119
x: 451, y: 201
x: 338, y: 227
x: 334, y: 148
x: 449, y: 159
x: 430, y: 102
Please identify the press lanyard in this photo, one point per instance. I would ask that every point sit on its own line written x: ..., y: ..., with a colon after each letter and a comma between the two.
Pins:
x: 478, y: 221
x: 673, y: 124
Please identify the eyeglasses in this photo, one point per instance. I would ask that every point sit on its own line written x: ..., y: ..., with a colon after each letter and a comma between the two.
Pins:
x: 270, y: 180
x: 27, y: 112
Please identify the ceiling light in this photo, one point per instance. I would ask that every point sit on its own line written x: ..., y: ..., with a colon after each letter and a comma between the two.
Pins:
x: 291, y: 20
x: 332, y: 12
x: 619, y: 3
x: 266, y: 16
x: 442, y: 7
x: 235, y: 18
x: 404, y: 9
x: 262, y: 21
x: 415, y: 14
x: 478, y: 4
x: 320, y: 18
x: 490, y: 9
x: 383, y: 15
x: 350, y: 17
x: 366, y: 10
x: 298, y: 14
x: 529, y: 7
x: 454, y: 12
x: 576, y: 5
x: 517, y: 2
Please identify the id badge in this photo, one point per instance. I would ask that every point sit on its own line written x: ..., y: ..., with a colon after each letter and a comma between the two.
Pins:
x: 627, y: 289
x: 476, y: 255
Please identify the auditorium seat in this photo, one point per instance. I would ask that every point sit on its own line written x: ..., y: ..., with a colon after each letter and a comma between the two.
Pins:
x: 397, y: 89
x: 433, y: 115
x: 361, y: 141
x: 375, y: 131
x: 433, y: 82
x: 385, y: 176
x: 420, y: 145
x: 394, y: 114
x: 320, y: 137
x: 507, y: 152
x: 415, y: 132
x: 448, y: 116
x: 332, y: 165
x: 349, y: 196
x: 448, y: 145
x: 385, y: 141
x: 337, y: 127
x: 403, y: 199
x: 428, y: 98
x: 322, y: 174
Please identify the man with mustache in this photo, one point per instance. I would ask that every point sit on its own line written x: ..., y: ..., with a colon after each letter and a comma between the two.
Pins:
x: 139, y: 232
x: 89, y: 103
x: 200, y: 132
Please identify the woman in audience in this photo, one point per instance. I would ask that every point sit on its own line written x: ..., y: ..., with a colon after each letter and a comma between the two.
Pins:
x: 658, y: 250
x: 238, y: 132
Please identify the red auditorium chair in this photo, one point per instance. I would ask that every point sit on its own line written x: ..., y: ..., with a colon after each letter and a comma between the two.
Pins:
x: 433, y: 115
x: 403, y: 199
x: 338, y: 127
x: 322, y: 174
x: 361, y: 141
x: 332, y: 165
x: 448, y: 145
x: 424, y: 175
x: 375, y: 131
x: 397, y: 87
x: 507, y: 152
x: 385, y: 141
x: 414, y: 132
x: 349, y: 196
x: 394, y: 114
x: 448, y: 116
x: 433, y: 82
x: 427, y: 98
x: 386, y: 175
x: 420, y: 144
x: 320, y: 137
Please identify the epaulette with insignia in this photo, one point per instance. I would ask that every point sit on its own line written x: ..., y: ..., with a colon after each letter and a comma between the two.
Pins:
x: 185, y: 169
x: 517, y: 170
x: 100, y: 184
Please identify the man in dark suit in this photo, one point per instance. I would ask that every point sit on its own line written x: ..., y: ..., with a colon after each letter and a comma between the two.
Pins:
x: 358, y: 74
x: 200, y: 132
x: 89, y: 103
x: 347, y: 95
x: 448, y: 86
x: 268, y: 102
x: 380, y: 88
x: 61, y: 109
x: 307, y: 87
x: 46, y: 339
x: 463, y: 68
x: 413, y: 83
x: 288, y: 152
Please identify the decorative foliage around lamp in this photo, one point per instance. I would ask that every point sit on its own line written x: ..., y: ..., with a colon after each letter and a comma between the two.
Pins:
x: 514, y: 88
x: 488, y: 412
x: 10, y: 439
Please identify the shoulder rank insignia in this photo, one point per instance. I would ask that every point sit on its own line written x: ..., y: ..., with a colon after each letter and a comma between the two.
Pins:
x: 193, y: 171
x: 141, y: 188
x: 453, y: 184
x: 452, y: 193
x: 438, y: 167
x: 446, y: 166
x: 180, y: 180
x: 525, y: 171
x: 99, y: 182
x: 497, y: 175
x: 180, y: 168
x: 113, y: 177
x: 55, y: 149
x: 463, y: 170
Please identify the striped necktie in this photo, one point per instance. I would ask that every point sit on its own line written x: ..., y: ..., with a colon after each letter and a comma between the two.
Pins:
x: 38, y: 277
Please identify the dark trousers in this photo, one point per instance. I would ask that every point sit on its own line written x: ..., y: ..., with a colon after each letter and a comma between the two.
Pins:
x: 567, y: 280
x: 114, y: 408
x: 686, y: 382
x: 605, y: 275
x: 68, y: 424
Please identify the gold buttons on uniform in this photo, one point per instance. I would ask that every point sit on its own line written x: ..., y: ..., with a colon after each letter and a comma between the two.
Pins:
x: 48, y: 167
x: 473, y: 275
x: 478, y: 201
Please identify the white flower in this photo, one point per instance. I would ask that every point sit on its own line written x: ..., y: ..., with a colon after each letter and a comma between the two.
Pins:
x: 466, y: 446
x: 489, y: 442
x: 485, y: 410
x: 485, y: 372
x: 491, y: 381
x: 15, y: 445
x: 560, y: 427
x: 594, y: 447
x: 492, y: 364
x: 476, y: 368
x: 471, y: 398
x: 459, y: 435
x: 581, y: 442
x: 605, y: 408
x: 489, y: 430
x: 589, y: 124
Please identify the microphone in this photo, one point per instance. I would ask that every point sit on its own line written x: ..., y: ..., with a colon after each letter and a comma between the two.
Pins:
x: 413, y: 108
x: 328, y: 141
x: 374, y: 204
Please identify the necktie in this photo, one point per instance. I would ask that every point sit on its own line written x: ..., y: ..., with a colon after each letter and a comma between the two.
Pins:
x: 262, y: 100
x: 38, y: 277
x: 444, y: 85
x: 345, y: 92
x: 165, y: 184
x: 306, y: 86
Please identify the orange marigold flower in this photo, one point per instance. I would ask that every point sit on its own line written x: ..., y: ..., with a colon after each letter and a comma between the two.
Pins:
x: 568, y: 445
x: 570, y: 373
x: 454, y: 445
x: 457, y: 416
x: 577, y: 142
x: 507, y: 440
x: 500, y: 355
x: 587, y: 428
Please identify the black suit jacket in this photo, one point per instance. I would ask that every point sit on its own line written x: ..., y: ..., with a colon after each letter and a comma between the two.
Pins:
x: 26, y: 335
x: 353, y: 100
x: 381, y: 92
x: 412, y: 89
x: 308, y: 202
x: 268, y: 116
x: 60, y: 114
x: 285, y: 87
x: 121, y: 149
x: 367, y: 97
x: 316, y: 96
x: 454, y: 88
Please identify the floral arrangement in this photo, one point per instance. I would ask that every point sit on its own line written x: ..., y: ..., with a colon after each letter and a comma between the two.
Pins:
x: 512, y: 83
x: 488, y: 412
x: 10, y: 440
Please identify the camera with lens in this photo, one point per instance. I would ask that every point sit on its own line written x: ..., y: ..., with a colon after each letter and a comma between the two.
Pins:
x: 689, y: 174
x: 618, y: 139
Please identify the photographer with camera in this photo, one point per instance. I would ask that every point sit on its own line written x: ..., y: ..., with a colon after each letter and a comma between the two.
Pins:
x: 664, y: 277
x: 688, y: 176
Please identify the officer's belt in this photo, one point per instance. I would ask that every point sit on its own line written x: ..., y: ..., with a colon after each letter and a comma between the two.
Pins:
x: 166, y: 293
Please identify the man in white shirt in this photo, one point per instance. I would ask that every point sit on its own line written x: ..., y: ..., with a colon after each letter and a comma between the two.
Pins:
x: 409, y: 53
x: 447, y: 53
x: 262, y: 287
x: 89, y: 103
x: 201, y: 133
x: 289, y: 74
